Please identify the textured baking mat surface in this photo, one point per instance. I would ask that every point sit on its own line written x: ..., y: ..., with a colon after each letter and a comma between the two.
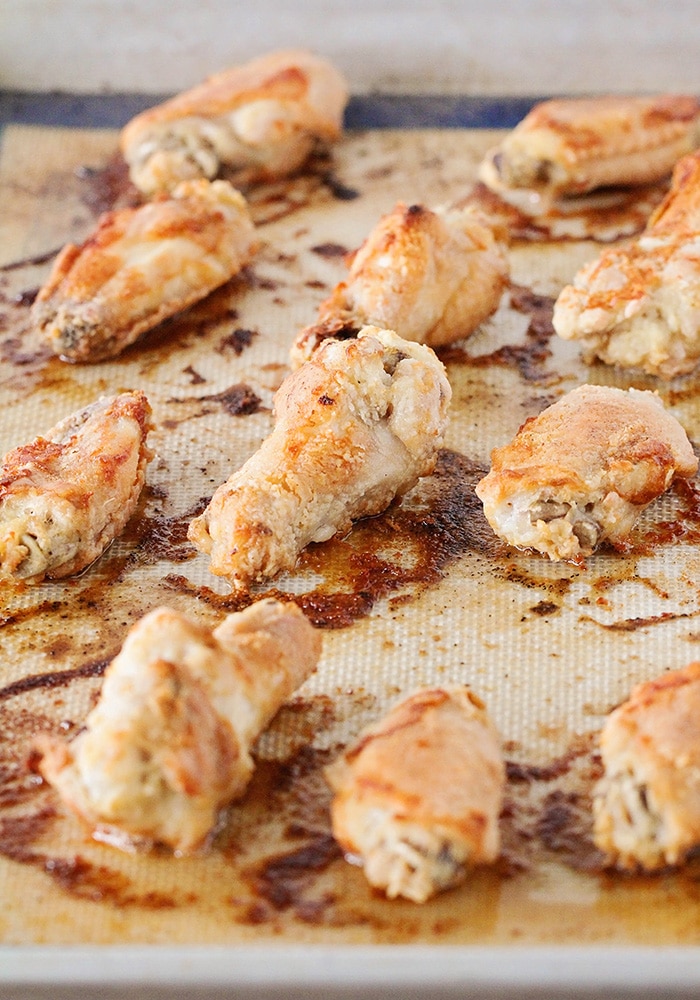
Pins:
x: 422, y: 594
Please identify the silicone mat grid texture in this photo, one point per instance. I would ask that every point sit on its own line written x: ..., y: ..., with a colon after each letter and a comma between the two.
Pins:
x: 550, y: 648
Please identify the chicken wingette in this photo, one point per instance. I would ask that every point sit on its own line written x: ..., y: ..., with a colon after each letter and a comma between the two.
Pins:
x: 583, y: 470
x: 257, y: 121
x: 168, y: 745
x: 570, y: 146
x: 647, y: 805
x: 67, y: 495
x: 418, y: 796
x: 638, y: 305
x: 141, y: 266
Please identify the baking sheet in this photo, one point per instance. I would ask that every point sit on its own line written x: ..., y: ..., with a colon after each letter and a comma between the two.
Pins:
x: 406, y: 599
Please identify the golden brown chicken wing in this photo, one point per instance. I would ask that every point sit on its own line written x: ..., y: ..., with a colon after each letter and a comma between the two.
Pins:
x: 417, y: 799
x: 141, y: 266
x: 574, y: 145
x: 583, y: 470
x: 66, y: 496
x: 356, y: 426
x: 647, y: 805
x: 431, y: 276
x: 260, y: 121
x: 638, y: 305
x: 168, y: 744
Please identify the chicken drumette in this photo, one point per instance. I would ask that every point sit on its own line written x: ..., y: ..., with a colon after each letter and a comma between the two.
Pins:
x: 431, y: 276
x: 356, y: 426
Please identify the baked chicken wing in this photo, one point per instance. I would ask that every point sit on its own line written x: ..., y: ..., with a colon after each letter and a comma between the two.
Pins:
x: 574, y: 145
x: 432, y: 276
x: 169, y: 743
x: 66, y: 496
x: 638, y: 305
x: 259, y: 121
x: 141, y: 266
x: 583, y: 470
x: 417, y: 799
x: 647, y: 805
x: 355, y: 427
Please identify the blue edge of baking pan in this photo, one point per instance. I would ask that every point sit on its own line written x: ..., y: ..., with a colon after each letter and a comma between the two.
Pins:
x: 318, y: 972
x: 370, y: 111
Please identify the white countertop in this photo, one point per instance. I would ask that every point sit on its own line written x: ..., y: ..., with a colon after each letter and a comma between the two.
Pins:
x: 517, y: 47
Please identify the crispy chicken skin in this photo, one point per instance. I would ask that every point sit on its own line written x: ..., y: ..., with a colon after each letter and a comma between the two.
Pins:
x: 432, y: 276
x: 141, y: 266
x: 638, y: 305
x: 417, y: 799
x: 66, y: 496
x: 355, y: 427
x: 260, y: 121
x: 574, y: 145
x: 583, y: 470
x: 680, y: 209
x: 647, y: 804
x: 168, y: 744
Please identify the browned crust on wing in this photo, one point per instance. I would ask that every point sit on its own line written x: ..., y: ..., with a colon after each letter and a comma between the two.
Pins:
x: 592, y: 433
x: 77, y: 469
x: 667, y: 685
x: 642, y: 271
x: 574, y: 145
x: 679, y: 212
x: 430, y: 276
x: 638, y: 305
x: 650, y: 746
x: 140, y: 266
x: 425, y: 762
x: 168, y: 744
x: 424, y: 249
x: 356, y: 426
x: 587, y: 127
x: 290, y: 76
x: 45, y: 454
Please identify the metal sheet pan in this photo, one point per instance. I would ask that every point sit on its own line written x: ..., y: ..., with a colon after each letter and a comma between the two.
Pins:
x: 550, y: 649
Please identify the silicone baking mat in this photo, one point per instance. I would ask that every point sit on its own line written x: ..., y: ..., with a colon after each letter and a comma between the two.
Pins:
x: 422, y: 594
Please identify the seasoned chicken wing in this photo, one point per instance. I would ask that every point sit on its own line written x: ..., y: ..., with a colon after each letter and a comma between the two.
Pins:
x: 647, y: 805
x: 638, y: 305
x: 66, y: 496
x: 583, y: 470
x: 417, y: 799
x: 432, y: 276
x: 169, y: 743
x: 356, y: 426
x: 260, y: 121
x: 574, y: 145
x: 680, y: 209
x: 141, y: 266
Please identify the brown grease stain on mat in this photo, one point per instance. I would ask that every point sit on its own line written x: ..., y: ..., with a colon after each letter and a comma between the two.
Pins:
x: 423, y: 593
